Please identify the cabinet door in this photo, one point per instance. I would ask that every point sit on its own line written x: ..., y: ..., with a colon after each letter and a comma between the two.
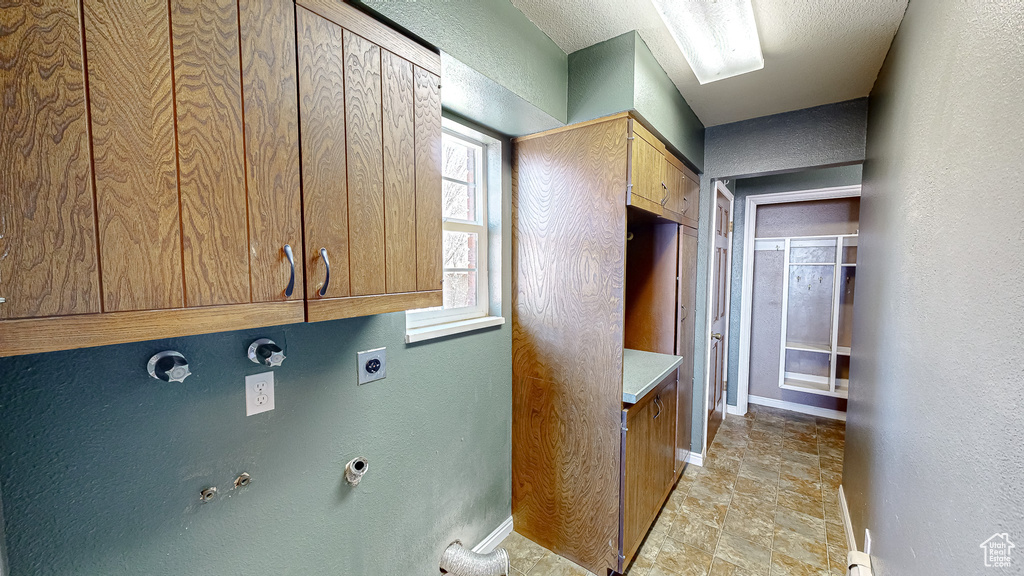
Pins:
x: 691, y: 198
x: 674, y: 180
x: 687, y: 299
x: 48, y: 257
x: 650, y: 443
x: 647, y: 170
x: 371, y: 138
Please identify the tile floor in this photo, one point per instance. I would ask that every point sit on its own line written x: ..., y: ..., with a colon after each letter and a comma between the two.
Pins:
x: 764, y: 504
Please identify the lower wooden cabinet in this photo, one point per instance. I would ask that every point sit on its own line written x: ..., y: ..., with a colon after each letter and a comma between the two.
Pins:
x: 650, y: 443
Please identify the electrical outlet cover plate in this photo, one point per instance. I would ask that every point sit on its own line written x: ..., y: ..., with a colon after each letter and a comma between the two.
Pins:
x: 259, y: 393
x: 370, y: 371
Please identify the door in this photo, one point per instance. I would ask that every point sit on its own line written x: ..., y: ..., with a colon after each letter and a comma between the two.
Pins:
x: 687, y: 300
x: 719, y: 313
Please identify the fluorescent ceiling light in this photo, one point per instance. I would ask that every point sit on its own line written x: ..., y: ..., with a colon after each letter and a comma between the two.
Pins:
x: 717, y: 37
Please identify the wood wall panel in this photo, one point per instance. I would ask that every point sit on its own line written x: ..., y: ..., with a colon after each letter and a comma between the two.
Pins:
x: 271, y: 101
x: 211, y: 157
x: 569, y: 229
x: 399, y: 174
x: 428, y: 180
x: 324, y: 179
x: 48, y: 259
x: 131, y: 101
x: 365, y: 161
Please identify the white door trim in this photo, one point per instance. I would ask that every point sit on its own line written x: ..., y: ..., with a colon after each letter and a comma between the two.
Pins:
x: 718, y: 188
x: 747, y: 286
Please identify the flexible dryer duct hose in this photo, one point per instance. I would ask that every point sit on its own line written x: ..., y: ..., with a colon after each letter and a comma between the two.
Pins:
x: 458, y: 561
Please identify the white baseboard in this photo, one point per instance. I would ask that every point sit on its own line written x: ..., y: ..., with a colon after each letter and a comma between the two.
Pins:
x: 844, y: 510
x: 488, y: 544
x: 794, y: 407
x: 695, y: 459
x: 735, y: 410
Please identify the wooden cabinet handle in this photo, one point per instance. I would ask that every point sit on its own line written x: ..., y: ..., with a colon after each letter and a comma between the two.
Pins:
x: 327, y: 280
x: 291, y: 261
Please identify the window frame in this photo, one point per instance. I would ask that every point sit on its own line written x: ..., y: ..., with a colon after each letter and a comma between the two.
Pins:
x: 432, y: 317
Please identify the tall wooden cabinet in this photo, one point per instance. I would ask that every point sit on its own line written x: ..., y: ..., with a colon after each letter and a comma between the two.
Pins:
x: 150, y: 177
x: 599, y: 267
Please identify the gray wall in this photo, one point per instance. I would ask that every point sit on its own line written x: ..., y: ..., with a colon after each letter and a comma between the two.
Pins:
x: 744, y: 188
x: 621, y: 74
x: 824, y: 136
x: 101, y: 466
x: 935, y: 440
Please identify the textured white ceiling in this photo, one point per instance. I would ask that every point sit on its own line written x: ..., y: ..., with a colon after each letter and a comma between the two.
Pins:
x: 815, y: 51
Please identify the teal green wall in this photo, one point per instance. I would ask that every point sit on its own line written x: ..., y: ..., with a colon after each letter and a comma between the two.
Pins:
x: 101, y: 465
x: 621, y: 74
x: 745, y: 187
x: 493, y: 38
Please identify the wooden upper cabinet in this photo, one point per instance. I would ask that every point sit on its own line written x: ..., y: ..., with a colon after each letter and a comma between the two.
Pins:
x: 180, y: 226
x: 371, y: 135
x: 659, y: 182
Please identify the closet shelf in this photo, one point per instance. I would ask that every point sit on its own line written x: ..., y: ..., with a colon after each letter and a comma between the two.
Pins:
x: 803, y: 346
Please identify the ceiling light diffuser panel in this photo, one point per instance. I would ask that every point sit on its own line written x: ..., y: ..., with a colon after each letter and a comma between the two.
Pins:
x: 717, y: 37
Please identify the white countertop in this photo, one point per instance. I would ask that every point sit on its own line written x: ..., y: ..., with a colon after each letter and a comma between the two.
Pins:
x: 643, y: 371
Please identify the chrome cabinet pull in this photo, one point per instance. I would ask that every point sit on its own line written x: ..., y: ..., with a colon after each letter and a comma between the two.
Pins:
x: 657, y: 402
x: 327, y: 280
x: 291, y: 261
x: 665, y: 199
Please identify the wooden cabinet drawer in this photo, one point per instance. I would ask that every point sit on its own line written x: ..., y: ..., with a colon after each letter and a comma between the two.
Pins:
x: 649, y: 461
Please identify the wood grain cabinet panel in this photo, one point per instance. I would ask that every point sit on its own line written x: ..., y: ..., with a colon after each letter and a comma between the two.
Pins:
x: 271, y: 104
x: 428, y: 180
x: 365, y: 160
x: 134, y: 157
x: 211, y: 156
x: 324, y: 180
x: 48, y: 257
x: 399, y: 174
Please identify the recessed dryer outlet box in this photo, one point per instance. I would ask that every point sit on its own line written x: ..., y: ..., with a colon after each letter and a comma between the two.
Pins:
x: 259, y: 393
x: 372, y: 365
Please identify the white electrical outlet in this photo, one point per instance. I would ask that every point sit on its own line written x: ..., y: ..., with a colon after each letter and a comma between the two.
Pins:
x: 259, y: 393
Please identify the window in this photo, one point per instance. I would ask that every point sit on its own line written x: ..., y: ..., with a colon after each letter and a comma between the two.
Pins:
x: 464, y: 199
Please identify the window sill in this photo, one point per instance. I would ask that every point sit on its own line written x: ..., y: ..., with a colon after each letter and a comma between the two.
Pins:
x: 450, y: 328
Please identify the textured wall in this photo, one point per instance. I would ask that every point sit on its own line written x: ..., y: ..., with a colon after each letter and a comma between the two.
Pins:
x: 935, y: 440
x: 493, y: 38
x: 827, y: 135
x: 621, y: 74
x: 831, y: 135
x: 101, y: 466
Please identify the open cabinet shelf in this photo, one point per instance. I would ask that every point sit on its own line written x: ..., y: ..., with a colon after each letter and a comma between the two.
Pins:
x: 817, y: 304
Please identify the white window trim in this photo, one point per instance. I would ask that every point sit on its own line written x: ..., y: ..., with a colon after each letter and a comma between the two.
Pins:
x: 428, y: 324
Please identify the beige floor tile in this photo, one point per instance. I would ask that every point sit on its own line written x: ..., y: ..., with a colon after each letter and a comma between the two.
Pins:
x: 793, y: 469
x: 711, y: 489
x: 803, y: 458
x: 808, y: 488
x: 744, y: 554
x: 800, y: 547
x: 523, y: 553
x: 783, y: 565
x: 706, y: 512
x: 722, y: 568
x: 836, y: 534
x: 693, y: 532
x: 729, y: 464
x: 832, y: 513
x: 799, y: 446
x: 679, y: 559
x: 758, y: 489
x: 805, y: 435
x: 760, y: 471
x: 552, y: 564
x: 756, y: 525
x: 663, y: 523
x: 800, y: 503
x: 810, y: 526
x: 837, y: 558
x: 831, y: 480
